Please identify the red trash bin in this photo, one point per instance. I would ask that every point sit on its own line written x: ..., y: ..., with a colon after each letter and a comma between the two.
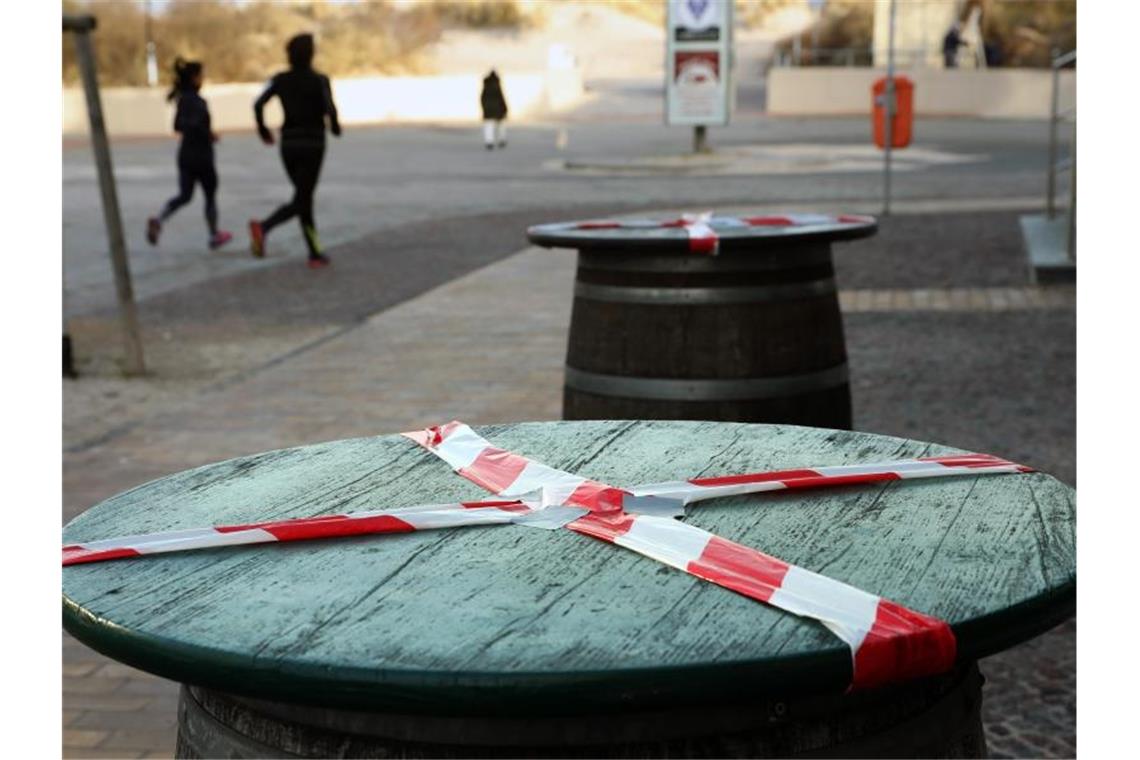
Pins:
x: 904, y: 112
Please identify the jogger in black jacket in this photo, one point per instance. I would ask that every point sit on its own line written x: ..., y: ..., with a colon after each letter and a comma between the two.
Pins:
x: 306, y: 98
x: 195, y: 153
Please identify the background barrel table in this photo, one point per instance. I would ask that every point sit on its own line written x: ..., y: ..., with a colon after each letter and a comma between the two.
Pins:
x: 511, y: 641
x: 751, y: 334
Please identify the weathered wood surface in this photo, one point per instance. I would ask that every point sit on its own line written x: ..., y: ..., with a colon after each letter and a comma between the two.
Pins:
x: 511, y: 619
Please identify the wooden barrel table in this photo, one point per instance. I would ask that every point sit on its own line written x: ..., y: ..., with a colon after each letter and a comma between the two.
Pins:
x: 507, y: 641
x: 666, y: 325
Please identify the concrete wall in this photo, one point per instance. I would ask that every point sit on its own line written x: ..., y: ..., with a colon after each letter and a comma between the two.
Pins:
x: 988, y: 93
x: 141, y: 111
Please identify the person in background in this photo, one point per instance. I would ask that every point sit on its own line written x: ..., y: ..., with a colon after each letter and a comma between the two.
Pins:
x: 494, y: 112
x: 306, y: 98
x: 195, y: 154
x: 950, y: 44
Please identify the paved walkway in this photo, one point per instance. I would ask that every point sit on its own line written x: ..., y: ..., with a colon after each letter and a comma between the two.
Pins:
x: 950, y: 348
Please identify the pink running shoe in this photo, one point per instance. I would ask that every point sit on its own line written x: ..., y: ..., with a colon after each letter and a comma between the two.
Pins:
x: 220, y: 238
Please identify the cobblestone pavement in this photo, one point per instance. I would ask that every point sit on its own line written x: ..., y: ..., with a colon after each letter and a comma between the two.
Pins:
x: 942, y: 347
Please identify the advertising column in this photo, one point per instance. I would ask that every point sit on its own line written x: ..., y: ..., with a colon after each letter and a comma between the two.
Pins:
x: 698, y: 66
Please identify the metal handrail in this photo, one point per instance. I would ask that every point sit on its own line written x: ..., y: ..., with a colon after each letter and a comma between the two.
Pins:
x: 1055, y: 117
x: 847, y: 55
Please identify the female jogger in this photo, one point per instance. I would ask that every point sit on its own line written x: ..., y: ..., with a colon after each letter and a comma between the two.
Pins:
x: 306, y: 98
x: 195, y: 153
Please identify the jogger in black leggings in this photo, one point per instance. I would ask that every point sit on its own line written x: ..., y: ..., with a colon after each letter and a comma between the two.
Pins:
x: 306, y: 98
x: 195, y: 153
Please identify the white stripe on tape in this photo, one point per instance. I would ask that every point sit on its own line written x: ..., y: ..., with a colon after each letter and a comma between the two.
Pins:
x: 846, y: 610
x: 665, y: 540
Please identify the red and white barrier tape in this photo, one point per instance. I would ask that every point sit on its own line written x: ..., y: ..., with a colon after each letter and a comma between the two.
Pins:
x: 405, y: 520
x: 702, y: 227
x: 888, y: 642
x: 698, y: 489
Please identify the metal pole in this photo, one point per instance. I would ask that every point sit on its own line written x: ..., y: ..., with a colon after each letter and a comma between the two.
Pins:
x: 700, y: 139
x: 132, y: 342
x: 1051, y: 177
x: 1071, y: 243
x: 889, y: 112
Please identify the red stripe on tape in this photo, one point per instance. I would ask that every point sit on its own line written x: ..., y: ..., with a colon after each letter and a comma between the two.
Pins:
x: 975, y: 460
x: 841, y: 480
x: 605, y: 527
x: 432, y: 436
x: 288, y: 531
x: 85, y: 555
x: 740, y: 568
x: 756, y: 477
x: 705, y: 245
x: 494, y: 469
x: 506, y: 506
x: 597, y: 497
x: 600, y: 225
x: 768, y: 221
x: 903, y: 644
x: 324, y: 527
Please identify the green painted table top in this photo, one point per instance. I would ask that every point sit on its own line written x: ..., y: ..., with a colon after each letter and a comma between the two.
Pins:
x: 508, y: 618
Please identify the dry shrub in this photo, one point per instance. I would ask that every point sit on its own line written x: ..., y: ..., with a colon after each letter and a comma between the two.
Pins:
x: 242, y: 42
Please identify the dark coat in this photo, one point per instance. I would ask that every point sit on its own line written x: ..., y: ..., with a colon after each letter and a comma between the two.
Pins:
x: 494, y: 104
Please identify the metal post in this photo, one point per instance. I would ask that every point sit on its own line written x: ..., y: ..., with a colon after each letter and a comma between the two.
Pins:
x: 1071, y: 242
x: 1051, y: 176
x: 889, y: 113
x: 700, y: 139
x: 132, y: 342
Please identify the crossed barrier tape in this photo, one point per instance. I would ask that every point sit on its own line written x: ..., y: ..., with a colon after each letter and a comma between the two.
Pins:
x: 888, y: 642
x: 702, y: 227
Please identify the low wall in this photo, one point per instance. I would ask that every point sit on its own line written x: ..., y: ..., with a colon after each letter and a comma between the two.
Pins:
x: 986, y: 93
x: 143, y: 111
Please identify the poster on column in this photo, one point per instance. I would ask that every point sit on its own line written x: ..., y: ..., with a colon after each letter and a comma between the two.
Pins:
x: 698, y: 62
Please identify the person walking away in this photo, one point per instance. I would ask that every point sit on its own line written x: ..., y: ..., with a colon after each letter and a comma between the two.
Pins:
x: 494, y: 112
x: 306, y: 98
x: 950, y: 44
x: 195, y: 154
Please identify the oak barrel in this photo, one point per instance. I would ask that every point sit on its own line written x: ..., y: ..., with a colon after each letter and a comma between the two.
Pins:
x: 751, y: 333
x: 934, y: 717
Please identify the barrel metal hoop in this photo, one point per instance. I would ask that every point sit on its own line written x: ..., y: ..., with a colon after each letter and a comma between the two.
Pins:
x: 672, y: 389
x: 767, y: 261
x: 758, y: 294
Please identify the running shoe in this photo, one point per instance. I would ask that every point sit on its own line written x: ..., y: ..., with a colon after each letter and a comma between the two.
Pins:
x: 256, y: 239
x: 219, y: 238
x: 153, y: 230
x: 319, y: 261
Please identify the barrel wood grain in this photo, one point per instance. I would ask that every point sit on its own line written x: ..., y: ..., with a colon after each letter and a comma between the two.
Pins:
x: 516, y: 620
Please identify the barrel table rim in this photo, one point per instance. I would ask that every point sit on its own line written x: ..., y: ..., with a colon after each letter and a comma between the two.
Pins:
x: 581, y: 235
x: 539, y: 691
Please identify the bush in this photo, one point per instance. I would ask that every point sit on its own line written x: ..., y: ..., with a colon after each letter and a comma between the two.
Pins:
x: 243, y: 42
